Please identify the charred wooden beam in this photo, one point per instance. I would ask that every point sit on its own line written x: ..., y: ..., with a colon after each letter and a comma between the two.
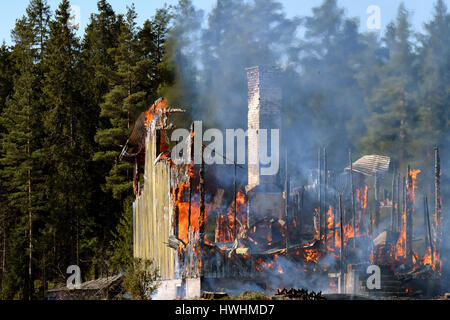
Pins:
x: 352, y: 190
x: 286, y: 199
x: 376, y: 220
x: 216, y: 204
x: 437, y: 191
x: 190, y: 203
x: 190, y: 180
x: 319, y: 193
x: 409, y: 216
x: 202, y: 216
x: 302, y: 201
x: 287, y: 186
x: 295, y: 206
x: 216, y: 234
x: 393, y: 195
x: 341, y: 251
x: 235, y: 204
x: 403, y: 200
x: 428, y: 226
x: 398, y: 183
x: 325, y: 210
x: 299, y: 211
x: 177, y: 215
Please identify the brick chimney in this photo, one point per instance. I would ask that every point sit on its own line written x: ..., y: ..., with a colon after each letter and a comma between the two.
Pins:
x: 264, y: 104
x: 264, y: 112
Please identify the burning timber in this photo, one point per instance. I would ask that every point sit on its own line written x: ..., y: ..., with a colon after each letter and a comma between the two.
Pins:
x: 322, y: 236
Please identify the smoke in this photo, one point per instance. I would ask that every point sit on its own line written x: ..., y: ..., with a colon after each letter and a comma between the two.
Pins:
x: 337, y: 84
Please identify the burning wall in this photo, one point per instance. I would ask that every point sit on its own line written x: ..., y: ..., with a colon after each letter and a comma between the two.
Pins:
x: 153, y: 212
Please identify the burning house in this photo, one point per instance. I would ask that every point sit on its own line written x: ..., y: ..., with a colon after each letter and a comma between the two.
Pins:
x: 322, y: 236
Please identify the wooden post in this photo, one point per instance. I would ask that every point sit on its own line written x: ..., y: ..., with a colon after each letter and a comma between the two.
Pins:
x: 295, y: 206
x: 437, y: 195
x: 325, y: 182
x: 341, y: 251
x: 235, y: 204
x: 352, y: 190
x: 190, y: 182
x: 428, y: 232
x: 335, y: 224
x: 403, y: 212
x: 393, y: 195
x: 177, y: 215
x: 398, y: 202
x: 325, y: 208
x: 377, y: 207
x: 202, y: 217
x: 286, y: 186
x: 300, y: 210
x: 216, y: 233
x: 286, y: 200
x: 319, y: 194
x: 409, y: 216
x: 190, y: 203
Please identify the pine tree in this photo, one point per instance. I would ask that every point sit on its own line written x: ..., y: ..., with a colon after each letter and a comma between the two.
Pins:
x: 68, y: 147
x: 122, y: 105
x: 121, y: 249
x: 22, y: 143
x: 7, y: 71
x: 97, y: 64
x: 327, y: 98
x: 434, y: 86
x: 101, y: 34
x: 152, y: 39
x: 392, y: 106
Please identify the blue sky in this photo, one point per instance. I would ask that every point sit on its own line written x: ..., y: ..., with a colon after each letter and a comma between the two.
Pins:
x: 421, y: 9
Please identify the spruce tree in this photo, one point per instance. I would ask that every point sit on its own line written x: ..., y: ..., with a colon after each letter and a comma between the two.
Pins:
x: 101, y: 34
x: 434, y: 84
x: 22, y: 145
x: 6, y: 87
x: 122, y: 105
x: 97, y: 63
x: 68, y: 147
x: 152, y: 39
x: 392, y: 105
x: 326, y: 96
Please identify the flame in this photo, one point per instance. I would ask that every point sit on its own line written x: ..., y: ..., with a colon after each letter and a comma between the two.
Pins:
x: 361, y: 196
x: 183, y: 211
x: 280, y: 270
x: 330, y: 218
x: 226, y: 223
x: 414, y: 174
x: 160, y: 106
x: 311, y: 255
x: 411, y: 189
x: 400, y: 247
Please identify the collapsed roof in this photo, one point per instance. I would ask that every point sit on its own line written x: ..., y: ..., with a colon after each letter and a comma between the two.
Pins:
x: 371, y: 165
